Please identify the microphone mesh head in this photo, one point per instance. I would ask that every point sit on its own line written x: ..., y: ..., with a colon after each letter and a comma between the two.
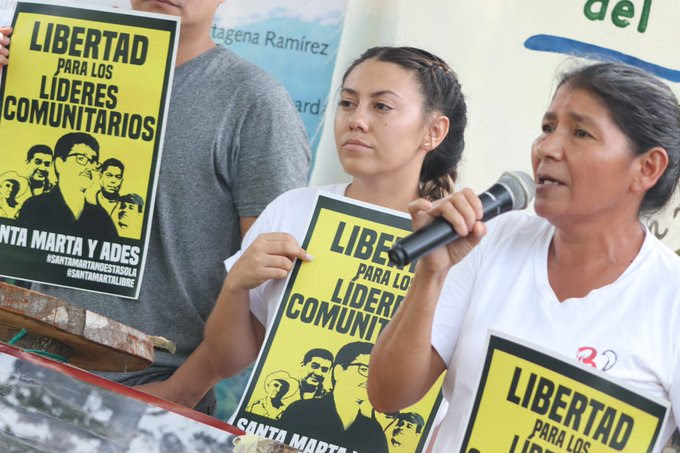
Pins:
x: 521, y: 187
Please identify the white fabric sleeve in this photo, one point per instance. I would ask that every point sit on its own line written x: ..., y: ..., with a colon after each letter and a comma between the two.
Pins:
x: 459, y: 288
x: 674, y: 387
x: 263, y: 224
x: 452, y: 306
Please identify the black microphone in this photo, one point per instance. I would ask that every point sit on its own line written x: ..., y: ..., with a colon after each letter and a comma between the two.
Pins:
x: 514, y: 190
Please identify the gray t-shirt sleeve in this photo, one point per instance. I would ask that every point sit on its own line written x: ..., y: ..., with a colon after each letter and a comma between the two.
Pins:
x: 271, y: 152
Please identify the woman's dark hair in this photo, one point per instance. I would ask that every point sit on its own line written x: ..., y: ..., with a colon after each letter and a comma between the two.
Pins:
x: 645, y: 110
x: 441, y: 90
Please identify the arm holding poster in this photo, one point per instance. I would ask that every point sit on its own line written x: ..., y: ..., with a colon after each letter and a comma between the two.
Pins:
x: 409, y: 333
x: 270, y: 256
x: 581, y: 279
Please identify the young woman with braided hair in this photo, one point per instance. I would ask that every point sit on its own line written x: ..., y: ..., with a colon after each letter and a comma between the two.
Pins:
x: 399, y: 133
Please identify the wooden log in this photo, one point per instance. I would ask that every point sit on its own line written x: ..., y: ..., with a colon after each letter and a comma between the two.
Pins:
x: 96, y: 342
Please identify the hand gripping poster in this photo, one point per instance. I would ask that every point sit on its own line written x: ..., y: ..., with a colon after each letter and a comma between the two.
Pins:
x: 308, y: 386
x: 82, y: 112
x: 534, y: 402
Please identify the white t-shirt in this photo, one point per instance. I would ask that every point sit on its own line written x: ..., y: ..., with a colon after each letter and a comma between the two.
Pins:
x: 503, y: 285
x: 288, y: 213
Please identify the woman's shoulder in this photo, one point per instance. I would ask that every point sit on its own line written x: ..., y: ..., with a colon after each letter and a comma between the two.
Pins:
x: 289, y: 211
x: 664, y: 256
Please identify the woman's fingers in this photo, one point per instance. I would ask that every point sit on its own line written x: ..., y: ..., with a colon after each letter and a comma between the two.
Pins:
x: 461, y: 209
x: 270, y: 256
x: 285, y: 245
x: 418, y: 209
x: 4, y: 42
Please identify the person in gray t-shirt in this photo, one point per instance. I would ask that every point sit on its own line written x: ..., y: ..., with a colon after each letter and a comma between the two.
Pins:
x: 233, y: 142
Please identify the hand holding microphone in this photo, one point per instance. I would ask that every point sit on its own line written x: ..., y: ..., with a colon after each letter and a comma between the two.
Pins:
x: 514, y: 190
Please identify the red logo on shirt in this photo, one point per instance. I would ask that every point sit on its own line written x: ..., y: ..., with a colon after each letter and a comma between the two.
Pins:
x: 602, y: 361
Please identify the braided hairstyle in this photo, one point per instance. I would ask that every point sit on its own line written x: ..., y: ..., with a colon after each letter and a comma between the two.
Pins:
x: 646, y: 111
x: 441, y: 91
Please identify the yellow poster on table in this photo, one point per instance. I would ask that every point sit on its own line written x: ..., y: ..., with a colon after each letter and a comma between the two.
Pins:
x: 83, y: 104
x: 308, y: 387
x: 530, y: 401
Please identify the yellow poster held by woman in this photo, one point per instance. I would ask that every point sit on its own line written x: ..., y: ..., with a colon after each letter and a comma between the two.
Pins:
x: 82, y: 112
x: 534, y: 402
x: 308, y: 387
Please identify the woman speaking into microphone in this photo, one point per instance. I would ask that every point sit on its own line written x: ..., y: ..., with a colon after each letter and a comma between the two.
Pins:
x: 585, y: 272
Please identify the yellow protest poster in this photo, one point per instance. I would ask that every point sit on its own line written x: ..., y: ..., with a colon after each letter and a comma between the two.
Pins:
x: 308, y: 387
x: 83, y: 104
x: 530, y: 401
